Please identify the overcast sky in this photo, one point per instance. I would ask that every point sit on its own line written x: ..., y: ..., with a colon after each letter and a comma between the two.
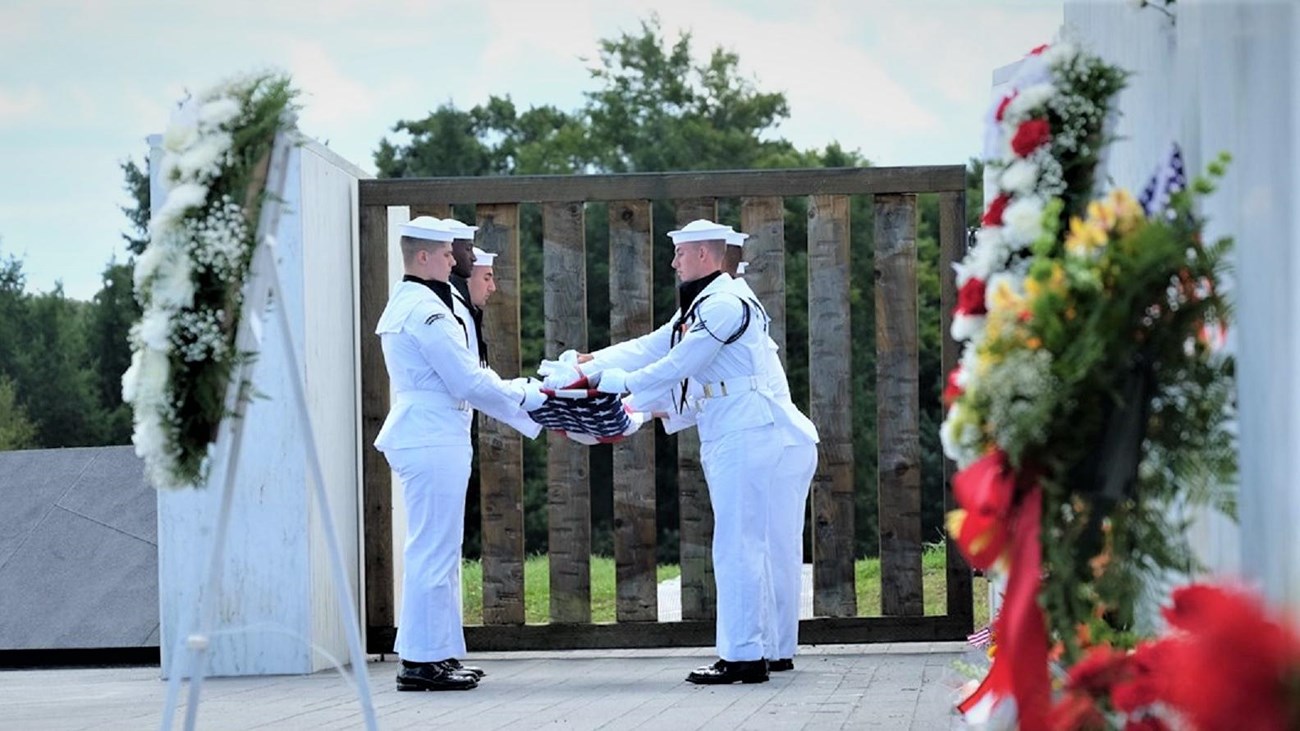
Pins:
x: 83, y: 82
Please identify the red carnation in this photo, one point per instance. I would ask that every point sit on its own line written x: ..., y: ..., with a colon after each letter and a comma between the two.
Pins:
x: 1039, y: 49
x: 1002, y: 106
x: 970, y: 299
x: 1098, y: 670
x: 1146, y: 723
x: 993, y: 216
x: 952, y: 391
x: 1030, y: 136
x: 1076, y: 712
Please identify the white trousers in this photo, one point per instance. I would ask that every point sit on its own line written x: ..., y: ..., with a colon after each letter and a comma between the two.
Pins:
x: 787, y: 505
x: 434, y: 482
x: 739, y: 468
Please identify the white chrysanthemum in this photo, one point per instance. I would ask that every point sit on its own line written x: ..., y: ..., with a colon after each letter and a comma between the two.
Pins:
x: 988, y: 255
x: 960, y: 436
x: 149, y: 261
x: 154, y: 329
x: 173, y: 284
x: 204, y: 160
x: 1062, y: 52
x: 145, y: 381
x: 1023, y: 221
x: 180, y: 199
x: 967, y: 327
x: 218, y: 112
x: 1019, y: 177
x: 1027, y: 100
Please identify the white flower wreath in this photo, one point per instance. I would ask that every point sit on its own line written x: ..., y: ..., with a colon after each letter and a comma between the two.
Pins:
x: 189, y: 279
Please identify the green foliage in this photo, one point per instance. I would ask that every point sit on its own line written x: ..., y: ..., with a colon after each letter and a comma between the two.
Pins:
x: 16, y: 430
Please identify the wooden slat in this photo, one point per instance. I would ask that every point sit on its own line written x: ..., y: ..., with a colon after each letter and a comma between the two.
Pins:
x: 829, y: 359
x: 663, y: 186
x: 567, y: 469
x: 952, y: 248
x: 500, y: 448
x: 699, y: 593
x: 898, y: 406
x: 764, y: 220
x: 437, y: 210
x: 376, y: 478
x: 631, y: 314
x: 700, y: 633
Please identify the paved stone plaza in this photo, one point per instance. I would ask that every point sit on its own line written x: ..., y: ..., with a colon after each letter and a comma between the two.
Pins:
x: 899, y: 686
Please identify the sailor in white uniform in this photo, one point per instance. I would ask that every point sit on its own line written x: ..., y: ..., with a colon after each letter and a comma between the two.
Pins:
x: 464, y: 252
x: 436, y: 379
x: 788, y: 501
x: 713, y: 357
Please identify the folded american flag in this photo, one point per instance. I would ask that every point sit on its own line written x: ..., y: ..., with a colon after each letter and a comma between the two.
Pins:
x: 584, y: 414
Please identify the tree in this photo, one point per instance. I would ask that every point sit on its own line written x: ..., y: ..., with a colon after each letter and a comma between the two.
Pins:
x: 109, y: 321
x: 16, y: 430
x: 137, y: 186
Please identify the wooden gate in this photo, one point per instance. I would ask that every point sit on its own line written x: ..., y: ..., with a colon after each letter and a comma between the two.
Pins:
x: 629, y: 198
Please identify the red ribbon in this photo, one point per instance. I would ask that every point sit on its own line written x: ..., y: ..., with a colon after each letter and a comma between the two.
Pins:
x: 1020, y: 666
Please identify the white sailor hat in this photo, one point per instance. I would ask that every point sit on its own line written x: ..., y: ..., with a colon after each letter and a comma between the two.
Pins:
x: 736, y: 238
x: 427, y: 228
x: 461, y: 230
x: 482, y: 258
x: 700, y: 229
x: 741, y: 267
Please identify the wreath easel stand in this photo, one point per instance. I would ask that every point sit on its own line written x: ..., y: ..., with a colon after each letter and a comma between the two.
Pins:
x: 263, y: 290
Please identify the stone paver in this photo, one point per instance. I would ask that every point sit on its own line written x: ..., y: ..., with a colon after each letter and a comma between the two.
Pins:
x: 901, y: 686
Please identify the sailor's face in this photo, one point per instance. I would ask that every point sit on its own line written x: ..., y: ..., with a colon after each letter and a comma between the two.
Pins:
x: 463, y: 250
x: 481, y: 286
x: 688, y: 261
x: 441, y: 262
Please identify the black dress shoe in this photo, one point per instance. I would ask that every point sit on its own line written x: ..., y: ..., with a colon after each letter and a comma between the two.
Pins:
x: 454, y: 664
x: 433, y: 676
x: 777, y: 666
x: 724, y: 672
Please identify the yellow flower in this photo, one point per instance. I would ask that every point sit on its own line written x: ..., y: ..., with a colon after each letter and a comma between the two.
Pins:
x: 1128, y: 212
x: 1034, y: 343
x: 1085, y: 236
x: 1005, y: 298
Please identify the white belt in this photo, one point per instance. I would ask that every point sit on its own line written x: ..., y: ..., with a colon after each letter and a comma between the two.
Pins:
x: 724, y: 388
x: 430, y: 398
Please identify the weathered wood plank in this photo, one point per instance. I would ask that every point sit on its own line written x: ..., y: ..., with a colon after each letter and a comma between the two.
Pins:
x: 695, y: 514
x: 376, y: 478
x: 568, y: 471
x: 829, y: 358
x: 663, y: 186
x: 898, y: 406
x: 500, y: 448
x: 700, y: 633
x: 952, y: 248
x: 631, y: 287
x: 437, y: 210
x: 764, y: 220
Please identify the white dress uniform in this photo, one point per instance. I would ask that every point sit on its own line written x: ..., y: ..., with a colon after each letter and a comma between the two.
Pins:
x: 437, y: 380
x: 733, y: 406
x: 786, y: 504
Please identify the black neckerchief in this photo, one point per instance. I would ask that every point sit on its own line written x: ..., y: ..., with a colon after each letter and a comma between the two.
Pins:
x: 688, y: 291
x: 477, y: 314
x: 442, y: 289
x: 462, y: 288
x: 686, y: 294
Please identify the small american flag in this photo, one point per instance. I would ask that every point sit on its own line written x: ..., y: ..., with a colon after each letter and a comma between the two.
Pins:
x: 982, y: 638
x: 1169, y: 178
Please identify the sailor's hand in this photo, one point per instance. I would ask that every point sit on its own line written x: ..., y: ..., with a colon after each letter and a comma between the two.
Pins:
x: 534, y: 397
x: 612, y: 380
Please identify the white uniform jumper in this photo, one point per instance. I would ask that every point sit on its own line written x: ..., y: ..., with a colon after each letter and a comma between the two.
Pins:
x: 436, y: 380
x: 735, y: 413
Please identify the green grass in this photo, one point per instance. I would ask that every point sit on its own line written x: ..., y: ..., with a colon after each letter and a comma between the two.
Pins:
x: 537, y: 588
